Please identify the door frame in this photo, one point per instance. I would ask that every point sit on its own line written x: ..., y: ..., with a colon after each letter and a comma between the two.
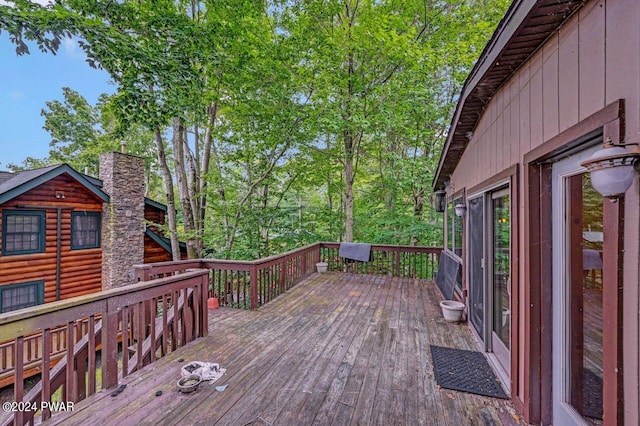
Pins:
x: 537, y: 399
x: 563, y: 173
x: 500, y: 351
x: 510, y: 177
x: 482, y: 338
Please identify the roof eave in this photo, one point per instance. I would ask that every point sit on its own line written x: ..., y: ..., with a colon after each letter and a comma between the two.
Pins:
x: 479, y: 89
x: 161, y: 241
x: 155, y: 204
x: 47, y: 176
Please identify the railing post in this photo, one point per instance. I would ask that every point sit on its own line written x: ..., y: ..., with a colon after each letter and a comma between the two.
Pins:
x: 253, y: 280
x: 283, y: 275
x: 142, y: 272
x: 80, y: 385
x: 204, y: 310
x: 18, y: 385
x: 317, y: 251
x: 110, y: 348
x: 303, y: 260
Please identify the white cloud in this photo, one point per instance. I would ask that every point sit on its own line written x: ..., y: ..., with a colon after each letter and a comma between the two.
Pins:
x: 17, y: 96
x: 71, y: 48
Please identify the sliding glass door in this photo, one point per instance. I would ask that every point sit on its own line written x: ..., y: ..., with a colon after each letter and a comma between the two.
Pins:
x: 476, y: 265
x: 489, y: 257
x: 500, y: 275
x: 578, y: 294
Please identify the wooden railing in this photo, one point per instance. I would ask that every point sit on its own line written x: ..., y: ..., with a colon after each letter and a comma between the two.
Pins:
x: 232, y: 281
x: 148, y: 319
x: 397, y: 261
x: 33, y: 351
x: 132, y: 326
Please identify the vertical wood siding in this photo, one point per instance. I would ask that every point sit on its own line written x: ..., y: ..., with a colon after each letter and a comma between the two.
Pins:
x: 593, y: 60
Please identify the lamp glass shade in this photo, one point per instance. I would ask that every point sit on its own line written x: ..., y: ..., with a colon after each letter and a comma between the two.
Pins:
x: 612, y: 182
x: 611, y: 171
x: 460, y: 209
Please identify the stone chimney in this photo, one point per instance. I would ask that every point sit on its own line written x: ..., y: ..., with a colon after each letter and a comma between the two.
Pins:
x: 123, y: 226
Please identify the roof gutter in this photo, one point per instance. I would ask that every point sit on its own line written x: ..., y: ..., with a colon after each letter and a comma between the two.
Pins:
x: 479, y: 88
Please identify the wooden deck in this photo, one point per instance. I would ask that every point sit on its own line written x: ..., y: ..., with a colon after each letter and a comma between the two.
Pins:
x: 336, y: 349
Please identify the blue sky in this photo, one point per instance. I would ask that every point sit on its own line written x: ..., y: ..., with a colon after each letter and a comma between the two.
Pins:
x: 27, y: 82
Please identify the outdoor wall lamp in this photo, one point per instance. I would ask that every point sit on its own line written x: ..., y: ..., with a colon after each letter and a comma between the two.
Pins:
x: 460, y: 210
x: 440, y: 201
x: 612, y: 168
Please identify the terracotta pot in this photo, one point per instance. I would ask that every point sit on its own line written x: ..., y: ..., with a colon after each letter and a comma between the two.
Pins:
x: 212, y: 303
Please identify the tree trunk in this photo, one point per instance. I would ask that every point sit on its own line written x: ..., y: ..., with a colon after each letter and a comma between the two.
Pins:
x: 208, y: 149
x: 191, y: 169
x: 418, y: 207
x: 348, y: 199
x: 349, y: 154
x: 183, y: 185
x: 168, y: 186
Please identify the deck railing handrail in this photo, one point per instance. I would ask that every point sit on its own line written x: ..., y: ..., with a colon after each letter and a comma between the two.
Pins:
x: 231, y: 280
x: 166, y: 310
x: 58, y: 308
x: 149, y: 318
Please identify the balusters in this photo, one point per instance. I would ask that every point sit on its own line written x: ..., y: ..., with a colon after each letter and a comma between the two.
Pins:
x: 46, y: 367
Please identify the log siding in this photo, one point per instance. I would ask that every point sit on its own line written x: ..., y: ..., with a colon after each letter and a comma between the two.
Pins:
x: 154, y: 252
x: 64, y: 265
x: 75, y: 272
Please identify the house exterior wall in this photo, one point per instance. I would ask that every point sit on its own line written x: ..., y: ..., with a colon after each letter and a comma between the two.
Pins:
x: 154, y: 252
x: 154, y: 215
x: 592, y: 61
x: 80, y: 269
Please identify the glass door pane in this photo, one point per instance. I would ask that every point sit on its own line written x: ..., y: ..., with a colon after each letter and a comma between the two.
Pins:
x: 500, y: 275
x: 476, y: 265
x: 585, y: 278
x: 577, y: 229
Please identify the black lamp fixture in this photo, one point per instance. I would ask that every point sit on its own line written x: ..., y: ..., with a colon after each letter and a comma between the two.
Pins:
x: 440, y: 201
x: 612, y: 168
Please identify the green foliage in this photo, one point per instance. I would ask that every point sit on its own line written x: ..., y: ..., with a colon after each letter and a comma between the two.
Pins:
x: 315, y: 111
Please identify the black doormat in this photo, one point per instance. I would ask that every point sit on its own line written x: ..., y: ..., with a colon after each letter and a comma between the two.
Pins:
x: 466, y: 371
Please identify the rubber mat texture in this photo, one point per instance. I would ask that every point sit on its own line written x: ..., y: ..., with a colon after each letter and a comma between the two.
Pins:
x: 466, y: 371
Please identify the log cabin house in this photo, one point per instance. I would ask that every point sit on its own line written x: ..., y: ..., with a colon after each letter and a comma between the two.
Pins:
x: 550, y: 273
x: 66, y: 234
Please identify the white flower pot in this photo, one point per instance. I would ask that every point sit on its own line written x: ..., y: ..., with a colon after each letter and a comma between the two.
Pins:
x: 452, y: 310
x: 322, y: 267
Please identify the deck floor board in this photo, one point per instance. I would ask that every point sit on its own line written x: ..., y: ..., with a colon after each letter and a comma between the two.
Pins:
x: 337, y: 349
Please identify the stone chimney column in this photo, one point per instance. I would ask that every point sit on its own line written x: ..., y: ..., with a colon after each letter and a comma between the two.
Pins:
x: 123, y: 225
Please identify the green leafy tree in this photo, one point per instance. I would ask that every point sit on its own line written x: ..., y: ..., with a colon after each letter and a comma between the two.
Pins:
x: 278, y: 122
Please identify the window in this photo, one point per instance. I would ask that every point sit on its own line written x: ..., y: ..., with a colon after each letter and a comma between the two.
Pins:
x: 450, y: 214
x: 18, y: 296
x: 22, y: 232
x: 85, y: 230
x: 454, y: 227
